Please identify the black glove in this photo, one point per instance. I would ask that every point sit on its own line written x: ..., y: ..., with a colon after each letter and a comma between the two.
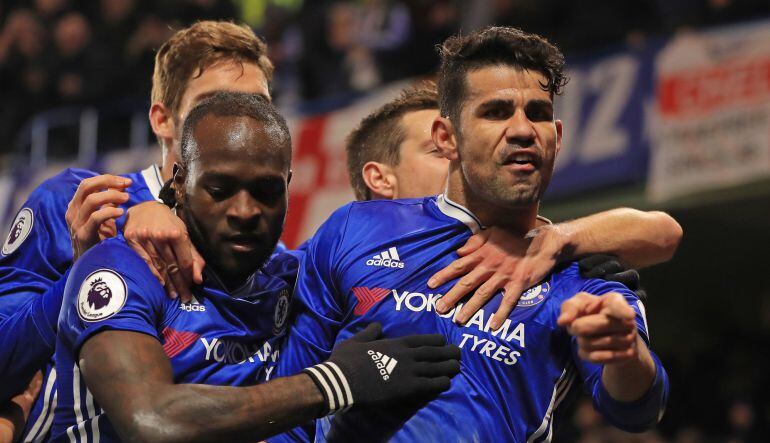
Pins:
x: 365, y: 370
x: 608, y: 267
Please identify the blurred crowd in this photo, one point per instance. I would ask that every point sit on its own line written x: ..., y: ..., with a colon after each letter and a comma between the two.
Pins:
x: 65, y: 52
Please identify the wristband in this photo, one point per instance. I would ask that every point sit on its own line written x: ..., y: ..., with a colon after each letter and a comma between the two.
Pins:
x: 333, y: 385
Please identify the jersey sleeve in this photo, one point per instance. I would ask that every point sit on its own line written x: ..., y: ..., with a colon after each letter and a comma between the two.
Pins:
x: 635, y: 416
x: 37, y: 248
x: 28, y: 339
x: 317, y: 312
x: 317, y: 308
x: 109, y: 288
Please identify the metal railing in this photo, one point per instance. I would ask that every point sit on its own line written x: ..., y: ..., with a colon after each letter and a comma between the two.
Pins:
x: 32, y: 145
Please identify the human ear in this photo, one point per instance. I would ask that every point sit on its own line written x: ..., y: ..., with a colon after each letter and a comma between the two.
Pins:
x: 442, y: 132
x: 380, y: 180
x: 162, y: 122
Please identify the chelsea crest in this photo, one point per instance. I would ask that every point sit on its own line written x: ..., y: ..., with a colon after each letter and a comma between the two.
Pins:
x: 534, y: 295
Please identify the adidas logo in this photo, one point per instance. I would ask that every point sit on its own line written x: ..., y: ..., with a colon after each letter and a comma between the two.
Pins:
x: 384, y: 363
x: 388, y: 259
x: 193, y: 306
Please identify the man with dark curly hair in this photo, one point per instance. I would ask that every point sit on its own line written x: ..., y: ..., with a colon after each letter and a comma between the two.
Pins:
x: 498, y: 131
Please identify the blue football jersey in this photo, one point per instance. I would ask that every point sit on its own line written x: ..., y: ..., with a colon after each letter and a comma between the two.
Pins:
x: 35, y: 256
x: 220, y: 338
x: 370, y: 262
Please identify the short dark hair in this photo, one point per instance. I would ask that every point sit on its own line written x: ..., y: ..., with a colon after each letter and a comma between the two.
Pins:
x: 494, y: 45
x: 234, y: 104
x: 379, y: 136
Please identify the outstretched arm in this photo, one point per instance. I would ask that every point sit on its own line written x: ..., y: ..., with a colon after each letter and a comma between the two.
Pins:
x: 638, y: 238
x: 131, y: 377
x: 628, y: 383
x: 495, y: 259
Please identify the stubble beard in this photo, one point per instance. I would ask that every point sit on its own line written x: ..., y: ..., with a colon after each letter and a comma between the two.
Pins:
x: 202, y: 243
x: 525, y: 192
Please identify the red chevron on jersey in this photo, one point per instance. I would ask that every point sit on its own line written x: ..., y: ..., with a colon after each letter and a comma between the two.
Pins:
x: 177, y: 341
x: 367, y: 297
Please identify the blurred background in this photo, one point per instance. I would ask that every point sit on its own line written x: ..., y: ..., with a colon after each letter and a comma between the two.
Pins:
x: 668, y: 108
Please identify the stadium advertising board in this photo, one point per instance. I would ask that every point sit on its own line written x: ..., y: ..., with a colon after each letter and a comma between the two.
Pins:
x: 711, y: 125
x: 603, y: 110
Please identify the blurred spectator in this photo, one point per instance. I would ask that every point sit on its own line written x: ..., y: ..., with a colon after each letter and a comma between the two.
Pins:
x: 358, y: 46
x: 188, y: 11
x: 595, y: 24
x: 81, y: 67
x: 24, y: 79
x: 150, y: 34
x: 48, y: 11
x: 433, y: 22
x: 742, y: 421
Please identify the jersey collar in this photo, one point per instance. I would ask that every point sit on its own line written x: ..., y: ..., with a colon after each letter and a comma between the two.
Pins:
x: 151, y: 176
x: 212, y: 280
x: 464, y: 215
x: 459, y: 213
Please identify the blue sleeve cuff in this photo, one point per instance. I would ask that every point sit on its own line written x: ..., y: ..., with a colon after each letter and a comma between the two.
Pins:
x: 638, y: 415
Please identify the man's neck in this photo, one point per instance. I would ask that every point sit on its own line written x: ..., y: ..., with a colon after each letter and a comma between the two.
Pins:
x: 167, y: 162
x: 518, y: 221
x: 230, y: 283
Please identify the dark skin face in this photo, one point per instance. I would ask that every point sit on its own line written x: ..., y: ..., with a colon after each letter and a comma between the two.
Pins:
x: 233, y: 197
x: 233, y: 200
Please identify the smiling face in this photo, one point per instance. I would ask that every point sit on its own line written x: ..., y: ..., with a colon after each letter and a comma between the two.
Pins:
x: 506, y: 137
x: 234, y: 193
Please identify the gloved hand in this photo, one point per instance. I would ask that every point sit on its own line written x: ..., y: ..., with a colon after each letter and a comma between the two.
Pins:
x: 367, y: 370
x: 608, y: 267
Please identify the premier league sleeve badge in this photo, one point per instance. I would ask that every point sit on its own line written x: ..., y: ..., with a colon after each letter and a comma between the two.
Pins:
x: 102, y: 295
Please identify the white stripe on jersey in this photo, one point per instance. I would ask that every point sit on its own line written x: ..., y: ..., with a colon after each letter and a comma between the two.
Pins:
x: 571, y: 380
x: 559, y: 391
x: 43, y: 418
x: 95, y: 428
x: 76, y: 396
x: 89, y: 404
x: 91, y: 415
x: 640, y: 305
x: 43, y: 436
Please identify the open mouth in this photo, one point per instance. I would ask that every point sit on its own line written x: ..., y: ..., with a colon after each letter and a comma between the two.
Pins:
x: 524, y: 160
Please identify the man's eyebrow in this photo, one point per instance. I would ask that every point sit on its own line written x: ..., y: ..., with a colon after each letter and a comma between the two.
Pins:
x: 223, y: 176
x: 500, y: 102
x: 496, y: 102
x: 540, y: 103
